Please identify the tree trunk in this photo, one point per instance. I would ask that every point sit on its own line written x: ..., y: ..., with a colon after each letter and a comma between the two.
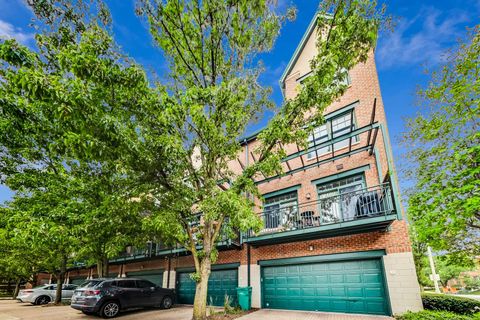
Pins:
x: 58, y: 293
x: 102, y: 267
x: 200, y: 302
x: 17, y: 289
x: 60, y: 279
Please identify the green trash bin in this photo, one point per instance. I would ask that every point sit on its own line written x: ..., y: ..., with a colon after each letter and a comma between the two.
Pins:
x: 245, y: 298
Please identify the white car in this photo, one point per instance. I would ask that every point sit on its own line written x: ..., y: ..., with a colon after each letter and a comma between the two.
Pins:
x: 45, y: 293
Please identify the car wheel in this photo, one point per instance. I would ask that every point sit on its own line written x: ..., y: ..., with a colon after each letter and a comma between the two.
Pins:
x: 110, y: 309
x: 167, y: 303
x: 42, y: 300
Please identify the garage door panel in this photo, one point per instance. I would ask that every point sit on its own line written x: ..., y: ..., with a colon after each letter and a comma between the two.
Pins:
x: 338, y: 292
x: 373, y: 292
x: 372, y: 278
x: 353, y: 278
x: 375, y: 307
x: 308, y: 292
x: 371, y: 264
x: 307, y: 280
x: 220, y: 283
x: 337, y: 278
x: 353, y: 292
x: 357, y: 306
x: 323, y: 291
x: 346, y: 286
x: 339, y: 305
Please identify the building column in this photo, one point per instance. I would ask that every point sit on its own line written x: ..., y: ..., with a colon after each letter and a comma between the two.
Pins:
x: 172, y: 279
x: 67, y: 278
x: 254, y: 282
x: 402, y: 282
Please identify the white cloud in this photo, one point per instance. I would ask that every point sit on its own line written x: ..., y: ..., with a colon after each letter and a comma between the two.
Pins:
x: 9, y: 31
x: 424, y: 38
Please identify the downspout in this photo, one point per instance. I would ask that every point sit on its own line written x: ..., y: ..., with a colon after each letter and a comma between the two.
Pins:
x: 248, y: 244
x: 248, y: 264
x: 168, y: 274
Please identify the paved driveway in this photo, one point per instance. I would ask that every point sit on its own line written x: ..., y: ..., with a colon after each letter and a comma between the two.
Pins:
x: 12, y: 310
x: 266, y: 314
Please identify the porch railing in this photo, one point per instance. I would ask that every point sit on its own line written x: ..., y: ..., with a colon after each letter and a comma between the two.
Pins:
x: 349, y: 206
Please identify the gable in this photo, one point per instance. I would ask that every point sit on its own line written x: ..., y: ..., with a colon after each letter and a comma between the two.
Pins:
x: 305, y: 51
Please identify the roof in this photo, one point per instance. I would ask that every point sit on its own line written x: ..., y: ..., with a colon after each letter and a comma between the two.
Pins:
x: 298, y: 50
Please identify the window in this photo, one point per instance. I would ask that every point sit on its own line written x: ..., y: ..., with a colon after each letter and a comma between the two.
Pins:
x: 279, y: 210
x: 126, y: 283
x: 346, y: 80
x: 69, y: 287
x: 338, y: 199
x: 144, y: 284
x: 333, y: 128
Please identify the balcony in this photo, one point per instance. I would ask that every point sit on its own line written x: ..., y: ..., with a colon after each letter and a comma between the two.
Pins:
x: 159, y: 249
x: 367, y: 209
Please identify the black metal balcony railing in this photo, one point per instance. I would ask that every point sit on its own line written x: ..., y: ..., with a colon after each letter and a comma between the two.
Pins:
x: 349, y: 206
x: 152, y: 249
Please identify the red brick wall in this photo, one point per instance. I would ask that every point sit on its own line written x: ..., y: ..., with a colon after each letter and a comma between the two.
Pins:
x: 395, y: 240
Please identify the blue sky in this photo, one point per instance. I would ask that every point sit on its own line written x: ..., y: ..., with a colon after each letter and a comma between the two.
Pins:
x: 425, y: 30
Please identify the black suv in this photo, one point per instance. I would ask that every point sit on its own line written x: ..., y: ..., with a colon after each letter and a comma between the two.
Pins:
x: 107, y: 297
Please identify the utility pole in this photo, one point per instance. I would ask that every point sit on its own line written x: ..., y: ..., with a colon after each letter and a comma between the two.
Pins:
x: 434, y: 276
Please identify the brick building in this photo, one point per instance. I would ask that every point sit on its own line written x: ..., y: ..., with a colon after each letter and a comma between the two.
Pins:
x: 334, y: 236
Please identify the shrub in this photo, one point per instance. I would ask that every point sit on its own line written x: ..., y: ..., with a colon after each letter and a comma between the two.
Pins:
x: 436, y: 315
x: 454, y: 304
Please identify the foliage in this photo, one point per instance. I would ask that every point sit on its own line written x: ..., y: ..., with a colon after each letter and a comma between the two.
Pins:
x: 420, y: 259
x: 435, y: 315
x: 61, y: 109
x: 444, y: 154
x: 471, y: 283
x: 442, y: 302
x: 173, y: 141
x: 448, y: 266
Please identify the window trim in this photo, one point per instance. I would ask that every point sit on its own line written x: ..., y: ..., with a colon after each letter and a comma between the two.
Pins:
x: 281, y: 191
x: 341, y: 175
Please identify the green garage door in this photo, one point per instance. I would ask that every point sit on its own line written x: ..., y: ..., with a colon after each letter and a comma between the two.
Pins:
x: 155, y: 276
x: 220, y: 283
x: 77, y: 281
x: 343, y: 286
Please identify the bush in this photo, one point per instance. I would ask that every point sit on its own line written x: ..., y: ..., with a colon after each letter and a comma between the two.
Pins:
x: 436, y: 315
x: 454, y: 304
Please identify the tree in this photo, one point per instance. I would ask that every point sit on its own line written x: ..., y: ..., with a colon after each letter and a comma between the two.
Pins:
x: 450, y: 267
x: 444, y: 154
x: 212, y: 95
x: 109, y: 220
x: 17, y: 262
x: 46, y: 147
x: 43, y: 220
x: 174, y: 140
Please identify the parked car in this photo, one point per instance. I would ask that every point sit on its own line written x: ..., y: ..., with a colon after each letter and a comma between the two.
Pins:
x: 45, y: 293
x: 108, y: 297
